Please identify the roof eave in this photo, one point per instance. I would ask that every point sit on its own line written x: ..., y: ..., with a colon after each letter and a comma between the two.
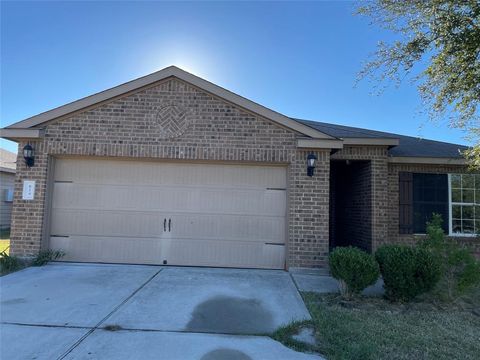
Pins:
x: 427, y: 160
x: 21, y: 134
x: 319, y: 144
x: 7, y: 170
x: 390, y: 142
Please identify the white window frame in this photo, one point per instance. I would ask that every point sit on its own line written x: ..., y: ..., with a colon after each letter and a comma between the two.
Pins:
x: 450, y: 217
x: 450, y: 205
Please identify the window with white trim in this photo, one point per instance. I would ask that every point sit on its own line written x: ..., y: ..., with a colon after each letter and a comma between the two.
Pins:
x: 464, y: 196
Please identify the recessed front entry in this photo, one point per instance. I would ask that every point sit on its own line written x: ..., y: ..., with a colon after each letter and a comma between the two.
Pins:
x: 164, y: 212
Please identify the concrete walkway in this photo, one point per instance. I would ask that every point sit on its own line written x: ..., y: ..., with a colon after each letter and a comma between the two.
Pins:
x: 319, y: 280
x: 78, y: 311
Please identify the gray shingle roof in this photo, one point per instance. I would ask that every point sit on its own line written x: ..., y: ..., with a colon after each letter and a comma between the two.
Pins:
x: 409, y: 146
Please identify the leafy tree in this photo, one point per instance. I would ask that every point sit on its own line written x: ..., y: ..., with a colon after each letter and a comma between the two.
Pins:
x: 439, y: 49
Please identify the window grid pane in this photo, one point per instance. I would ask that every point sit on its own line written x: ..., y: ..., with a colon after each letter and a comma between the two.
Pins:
x: 465, y: 203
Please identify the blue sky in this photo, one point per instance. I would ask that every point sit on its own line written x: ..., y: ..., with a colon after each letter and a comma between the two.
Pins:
x: 298, y: 58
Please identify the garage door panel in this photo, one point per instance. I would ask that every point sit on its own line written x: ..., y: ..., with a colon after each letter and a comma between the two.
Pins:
x: 150, y: 173
x: 228, y: 228
x: 222, y: 254
x: 104, y: 223
x: 220, y: 215
x: 120, y: 249
x: 154, y: 198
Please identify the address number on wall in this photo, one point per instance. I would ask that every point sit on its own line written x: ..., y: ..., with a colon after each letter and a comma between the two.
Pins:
x: 28, y: 192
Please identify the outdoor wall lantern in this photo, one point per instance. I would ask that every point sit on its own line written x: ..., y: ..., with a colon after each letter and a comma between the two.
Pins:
x: 311, y: 164
x: 29, y: 155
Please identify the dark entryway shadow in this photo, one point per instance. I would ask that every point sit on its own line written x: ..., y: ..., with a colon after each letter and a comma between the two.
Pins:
x: 231, y: 315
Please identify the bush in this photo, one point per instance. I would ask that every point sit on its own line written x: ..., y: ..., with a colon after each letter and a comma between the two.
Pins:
x: 46, y: 256
x: 459, y: 268
x: 354, y: 269
x: 8, y: 263
x: 407, y: 271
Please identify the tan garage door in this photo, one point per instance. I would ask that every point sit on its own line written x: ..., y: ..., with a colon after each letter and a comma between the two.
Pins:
x: 182, y: 214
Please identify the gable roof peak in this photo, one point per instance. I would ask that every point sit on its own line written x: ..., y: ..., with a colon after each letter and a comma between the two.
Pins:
x: 38, y: 120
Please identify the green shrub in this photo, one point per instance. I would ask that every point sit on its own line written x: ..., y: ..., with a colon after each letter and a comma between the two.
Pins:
x: 46, y: 256
x: 407, y: 271
x: 459, y: 268
x: 8, y: 263
x: 354, y: 269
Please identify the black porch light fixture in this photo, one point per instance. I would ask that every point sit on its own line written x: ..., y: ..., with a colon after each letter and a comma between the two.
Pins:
x: 311, y: 164
x: 29, y: 155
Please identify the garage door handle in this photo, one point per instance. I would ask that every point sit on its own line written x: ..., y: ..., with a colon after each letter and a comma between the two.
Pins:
x: 164, y: 224
x: 169, y: 225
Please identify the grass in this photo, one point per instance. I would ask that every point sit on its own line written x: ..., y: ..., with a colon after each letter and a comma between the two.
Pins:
x: 373, y: 328
x: 5, y: 240
x: 285, y: 333
x: 45, y: 256
x: 10, y: 263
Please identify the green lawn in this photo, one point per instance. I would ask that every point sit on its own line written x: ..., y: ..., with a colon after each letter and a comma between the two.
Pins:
x: 371, y: 328
x: 4, y: 241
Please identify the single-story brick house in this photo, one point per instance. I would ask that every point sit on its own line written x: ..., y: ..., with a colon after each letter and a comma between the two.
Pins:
x: 172, y: 169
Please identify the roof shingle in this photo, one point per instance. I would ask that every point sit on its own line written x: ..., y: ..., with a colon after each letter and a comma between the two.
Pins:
x: 409, y: 146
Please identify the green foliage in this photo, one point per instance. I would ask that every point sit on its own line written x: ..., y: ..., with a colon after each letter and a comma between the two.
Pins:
x: 354, y: 268
x: 46, y: 256
x: 372, y: 328
x: 8, y: 263
x: 407, y: 271
x: 438, y: 47
x: 459, y: 268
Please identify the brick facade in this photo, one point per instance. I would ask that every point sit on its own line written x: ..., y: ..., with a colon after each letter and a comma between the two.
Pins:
x: 217, y: 131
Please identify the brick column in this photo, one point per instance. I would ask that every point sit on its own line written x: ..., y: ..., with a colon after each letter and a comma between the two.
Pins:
x: 380, y: 204
x: 309, y: 211
x: 27, y: 215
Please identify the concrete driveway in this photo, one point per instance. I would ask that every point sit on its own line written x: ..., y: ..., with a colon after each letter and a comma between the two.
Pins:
x: 80, y: 311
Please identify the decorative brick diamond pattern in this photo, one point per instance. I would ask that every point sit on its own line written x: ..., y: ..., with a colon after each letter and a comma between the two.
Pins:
x: 173, y: 120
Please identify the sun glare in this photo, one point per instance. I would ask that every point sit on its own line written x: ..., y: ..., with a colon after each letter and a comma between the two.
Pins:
x: 186, y: 55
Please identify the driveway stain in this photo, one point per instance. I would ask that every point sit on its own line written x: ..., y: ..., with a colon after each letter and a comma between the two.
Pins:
x: 225, y: 354
x: 14, y: 301
x: 231, y: 315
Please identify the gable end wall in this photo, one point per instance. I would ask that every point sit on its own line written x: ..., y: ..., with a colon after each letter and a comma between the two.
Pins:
x: 219, y: 131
